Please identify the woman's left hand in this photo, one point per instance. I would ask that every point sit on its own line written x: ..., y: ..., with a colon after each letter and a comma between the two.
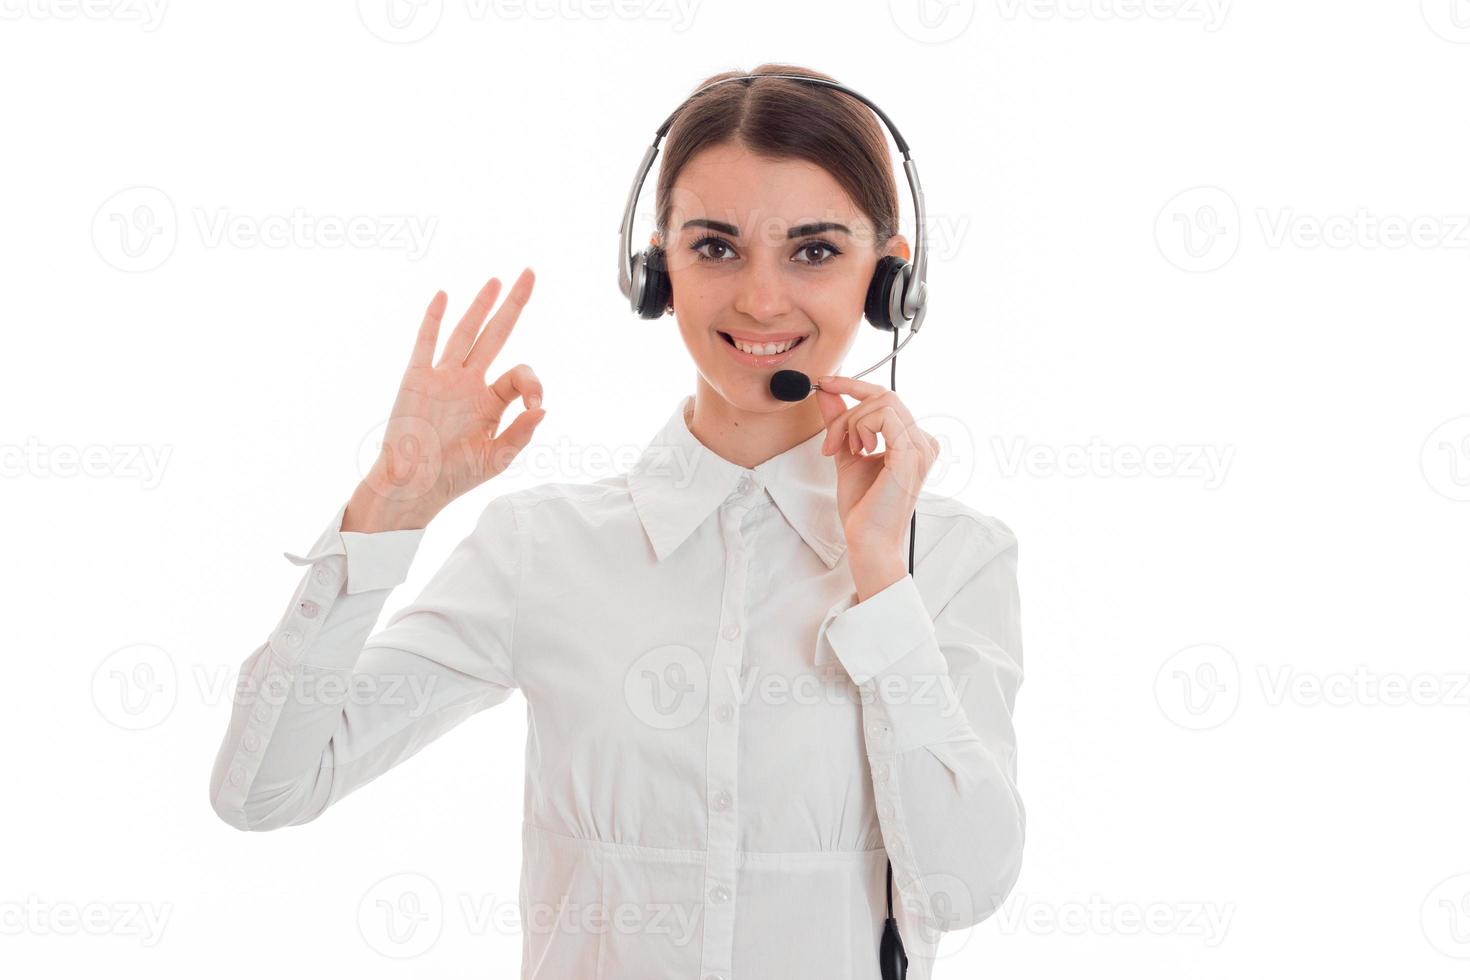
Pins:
x: 877, y: 492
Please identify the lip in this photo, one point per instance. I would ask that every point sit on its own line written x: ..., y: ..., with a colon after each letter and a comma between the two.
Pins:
x: 761, y: 360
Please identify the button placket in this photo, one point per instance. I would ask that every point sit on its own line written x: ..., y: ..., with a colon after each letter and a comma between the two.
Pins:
x: 723, y: 743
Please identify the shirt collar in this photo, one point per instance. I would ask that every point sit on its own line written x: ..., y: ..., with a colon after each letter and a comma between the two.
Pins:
x: 678, y: 481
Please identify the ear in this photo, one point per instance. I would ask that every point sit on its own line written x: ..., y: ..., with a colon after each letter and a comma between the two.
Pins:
x: 897, y: 245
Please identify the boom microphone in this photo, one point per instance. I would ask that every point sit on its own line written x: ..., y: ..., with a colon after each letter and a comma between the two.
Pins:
x: 792, y: 386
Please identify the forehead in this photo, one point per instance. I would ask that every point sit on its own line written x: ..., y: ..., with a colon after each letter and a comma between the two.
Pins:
x: 730, y: 183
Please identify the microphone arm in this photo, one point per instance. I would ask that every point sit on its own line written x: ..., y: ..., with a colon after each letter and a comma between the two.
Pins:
x: 913, y: 330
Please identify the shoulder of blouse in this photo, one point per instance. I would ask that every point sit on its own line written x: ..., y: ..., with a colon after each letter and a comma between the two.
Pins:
x: 983, y: 532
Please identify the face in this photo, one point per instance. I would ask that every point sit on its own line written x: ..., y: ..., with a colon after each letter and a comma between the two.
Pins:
x: 766, y: 252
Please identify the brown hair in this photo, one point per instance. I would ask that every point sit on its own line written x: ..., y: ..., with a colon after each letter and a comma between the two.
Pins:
x: 784, y: 119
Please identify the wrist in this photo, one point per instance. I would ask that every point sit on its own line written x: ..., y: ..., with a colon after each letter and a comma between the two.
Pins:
x: 871, y: 576
x: 369, y: 512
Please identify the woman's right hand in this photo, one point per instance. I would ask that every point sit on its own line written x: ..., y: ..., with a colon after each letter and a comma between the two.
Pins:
x: 441, y: 437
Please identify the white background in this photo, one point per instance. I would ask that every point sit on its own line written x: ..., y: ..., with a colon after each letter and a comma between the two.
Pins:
x: 1230, y: 239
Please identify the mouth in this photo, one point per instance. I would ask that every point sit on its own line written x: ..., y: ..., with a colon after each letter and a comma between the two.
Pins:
x: 761, y: 353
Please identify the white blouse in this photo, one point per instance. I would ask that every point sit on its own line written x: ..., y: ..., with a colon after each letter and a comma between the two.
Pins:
x: 725, y: 746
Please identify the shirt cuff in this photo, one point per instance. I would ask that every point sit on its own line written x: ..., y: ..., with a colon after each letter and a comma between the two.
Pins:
x: 375, y: 560
x: 868, y: 637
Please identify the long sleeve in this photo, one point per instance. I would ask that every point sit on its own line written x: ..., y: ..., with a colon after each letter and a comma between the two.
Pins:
x: 938, y: 698
x: 321, y: 709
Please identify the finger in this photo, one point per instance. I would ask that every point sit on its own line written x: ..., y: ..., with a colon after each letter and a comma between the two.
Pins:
x: 494, y: 334
x: 906, y: 448
x: 865, y: 426
x: 842, y: 425
x: 849, y: 386
x: 519, y: 381
x: 867, y: 420
x: 428, y: 337
x: 916, y: 452
x: 469, y: 325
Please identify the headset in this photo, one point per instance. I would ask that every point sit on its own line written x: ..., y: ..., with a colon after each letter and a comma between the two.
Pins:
x: 896, y: 296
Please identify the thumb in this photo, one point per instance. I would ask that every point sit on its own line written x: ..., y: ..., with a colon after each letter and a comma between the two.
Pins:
x: 831, y: 405
x: 508, y: 445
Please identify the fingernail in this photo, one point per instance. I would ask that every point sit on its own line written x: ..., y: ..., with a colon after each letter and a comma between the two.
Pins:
x: 534, y: 401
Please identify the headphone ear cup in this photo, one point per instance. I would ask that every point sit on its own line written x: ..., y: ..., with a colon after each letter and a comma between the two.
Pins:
x: 658, y: 289
x: 888, y: 278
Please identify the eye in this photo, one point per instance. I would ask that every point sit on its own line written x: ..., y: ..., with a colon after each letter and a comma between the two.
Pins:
x: 713, y: 241
x: 806, y: 246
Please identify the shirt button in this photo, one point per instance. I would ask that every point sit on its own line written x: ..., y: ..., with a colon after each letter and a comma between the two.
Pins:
x: 726, y: 712
x: 732, y: 630
x: 885, y: 809
x: 745, y: 482
x: 877, y: 730
x: 262, y: 712
x: 309, y: 609
x: 723, y: 801
x: 237, y: 775
x: 719, y: 893
x: 290, y: 638
x: 881, y: 772
x: 324, y: 575
x: 252, y: 742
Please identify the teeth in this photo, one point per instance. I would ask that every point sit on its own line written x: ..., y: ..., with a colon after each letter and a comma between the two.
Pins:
x: 763, y: 350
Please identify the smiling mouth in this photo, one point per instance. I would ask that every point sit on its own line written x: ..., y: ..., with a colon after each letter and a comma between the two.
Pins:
x: 761, y: 351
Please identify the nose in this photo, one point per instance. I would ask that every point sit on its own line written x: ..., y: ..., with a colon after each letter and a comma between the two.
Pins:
x: 764, y: 292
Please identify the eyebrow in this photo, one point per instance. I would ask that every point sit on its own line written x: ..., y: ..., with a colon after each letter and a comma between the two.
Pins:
x: 800, y: 231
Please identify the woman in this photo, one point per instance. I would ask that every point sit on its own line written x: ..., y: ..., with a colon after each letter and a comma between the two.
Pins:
x: 741, y: 705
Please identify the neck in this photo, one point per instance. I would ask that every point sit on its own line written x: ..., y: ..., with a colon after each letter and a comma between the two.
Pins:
x: 748, y: 438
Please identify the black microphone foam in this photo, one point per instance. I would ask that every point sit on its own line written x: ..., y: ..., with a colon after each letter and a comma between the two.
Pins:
x: 790, y: 386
